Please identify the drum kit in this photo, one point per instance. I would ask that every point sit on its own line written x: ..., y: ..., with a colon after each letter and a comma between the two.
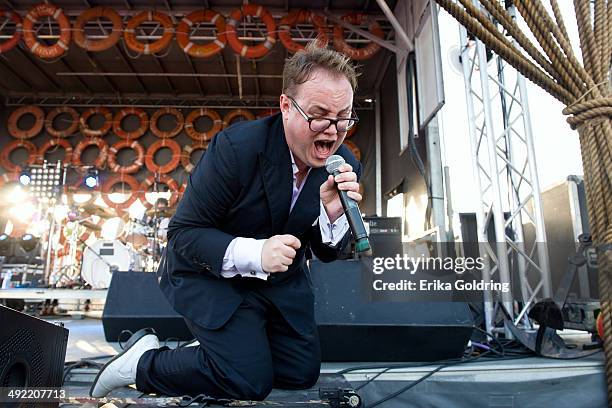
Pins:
x: 103, y: 243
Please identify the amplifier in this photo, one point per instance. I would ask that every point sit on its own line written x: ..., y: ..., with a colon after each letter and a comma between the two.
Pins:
x: 32, y: 352
x: 352, y: 328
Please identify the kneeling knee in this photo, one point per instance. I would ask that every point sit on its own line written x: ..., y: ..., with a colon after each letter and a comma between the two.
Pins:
x: 257, y: 389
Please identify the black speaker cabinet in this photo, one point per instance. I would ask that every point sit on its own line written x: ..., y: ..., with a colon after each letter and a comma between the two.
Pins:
x: 352, y: 328
x: 134, y: 301
x: 32, y: 352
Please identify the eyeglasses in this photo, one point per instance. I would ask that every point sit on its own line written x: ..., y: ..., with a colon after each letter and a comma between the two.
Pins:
x: 319, y: 124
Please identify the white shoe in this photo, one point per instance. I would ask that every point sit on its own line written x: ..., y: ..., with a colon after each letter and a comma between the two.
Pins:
x: 192, y: 343
x: 120, y: 371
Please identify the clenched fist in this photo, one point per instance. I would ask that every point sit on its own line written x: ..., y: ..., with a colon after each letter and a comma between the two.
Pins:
x: 278, y: 253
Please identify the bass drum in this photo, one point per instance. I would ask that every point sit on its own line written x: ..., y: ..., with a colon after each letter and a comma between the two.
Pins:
x: 104, y: 257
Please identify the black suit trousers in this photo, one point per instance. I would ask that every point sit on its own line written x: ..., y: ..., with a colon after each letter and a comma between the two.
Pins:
x: 253, y: 352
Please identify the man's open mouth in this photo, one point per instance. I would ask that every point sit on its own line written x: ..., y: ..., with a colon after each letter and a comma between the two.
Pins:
x: 323, y: 147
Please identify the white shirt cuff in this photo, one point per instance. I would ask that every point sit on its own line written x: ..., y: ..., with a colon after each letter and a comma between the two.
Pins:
x: 243, y: 257
x: 332, y: 233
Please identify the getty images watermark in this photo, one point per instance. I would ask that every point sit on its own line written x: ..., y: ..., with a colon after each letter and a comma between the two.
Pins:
x: 410, y: 265
x: 469, y: 271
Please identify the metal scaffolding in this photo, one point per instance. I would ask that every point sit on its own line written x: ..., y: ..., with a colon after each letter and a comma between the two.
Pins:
x: 504, y: 168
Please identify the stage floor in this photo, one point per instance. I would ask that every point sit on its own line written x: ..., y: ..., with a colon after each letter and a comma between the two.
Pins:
x: 524, y: 382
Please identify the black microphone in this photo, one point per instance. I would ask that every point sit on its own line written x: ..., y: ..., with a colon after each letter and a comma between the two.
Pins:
x: 351, y: 209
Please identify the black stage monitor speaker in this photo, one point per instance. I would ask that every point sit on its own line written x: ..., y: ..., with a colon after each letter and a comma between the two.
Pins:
x: 32, y: 352
x: 352, y: 328
x: 134, y: 301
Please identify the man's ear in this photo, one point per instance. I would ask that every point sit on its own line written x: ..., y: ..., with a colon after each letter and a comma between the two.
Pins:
x: 285, y: 104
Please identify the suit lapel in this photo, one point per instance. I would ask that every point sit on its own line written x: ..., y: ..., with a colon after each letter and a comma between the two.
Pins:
x: 277, y: 175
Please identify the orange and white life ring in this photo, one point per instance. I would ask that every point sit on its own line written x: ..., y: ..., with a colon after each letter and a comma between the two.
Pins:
x: 39, y: 120
x: 80, y: 38
x: 353, y: 148
x: 103, y: 130
x: 77, y: 187
x: 254, y: 51
x: 16, y: 37
x: 301, y: 17
x: 188, y: 152
x: 159, y: 179
x: 69, y: 131
x: 114, y: 166
x: 10, y: 147
x: 143, y: 119
x: 107, y: 189
x: 148, y: 48
x: 201, y: 50
x: 207, y: 135
x: 63, y: 143
x: 362, y: 53
x: 40, y: 49
x: 178, y: 117
x: 84, y: 144
x: 243, y: 114
x: 168, y: 167
x: 7, y: 178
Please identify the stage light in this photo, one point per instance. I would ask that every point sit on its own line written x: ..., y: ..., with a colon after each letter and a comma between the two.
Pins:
x: 28, y: 243
x: 23, y: 213
x: 5, y: 245
x: 91, y: 180
x: 25, y: 177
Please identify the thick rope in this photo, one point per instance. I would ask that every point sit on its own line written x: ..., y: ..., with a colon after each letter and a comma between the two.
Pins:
x: 583, y: 88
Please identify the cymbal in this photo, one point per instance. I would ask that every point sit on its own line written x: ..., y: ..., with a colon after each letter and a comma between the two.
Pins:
x: 99, y: 211
x: 91, y: 225
x: 151, y: 212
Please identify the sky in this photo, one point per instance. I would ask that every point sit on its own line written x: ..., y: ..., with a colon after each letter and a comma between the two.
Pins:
x: 557, y: 147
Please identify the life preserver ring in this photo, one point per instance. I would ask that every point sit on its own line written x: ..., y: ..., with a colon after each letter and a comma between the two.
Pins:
x: 74, y: 121
x: 77, y: 186
x: 188, y: 151
x: 41, y: 50
x: 237, y: 113
x: 14, y: 117
x: 353, y: 148
x: 114, y: 180
x: 7, y: 178
x: 267, y: 112
x: 351, y: 131
x: 178, y: 116
x: 52, y: 143
x: 84, y: 144
x: 207, y: 135
x: 156, y: 46
x: 162, y: 179
x: 301, y: 17
x: 84, y: 122
x: 254, y: 51
x: 97, y: 45
x: 168, y: 167
x: 125, y: 144
x: 16, y: 37
x: 201, y: 50
x: 362, y: 53
x: 5, y: 155
x: 143, y: 118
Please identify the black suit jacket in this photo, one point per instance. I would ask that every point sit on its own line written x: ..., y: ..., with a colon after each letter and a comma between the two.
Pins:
x: 242, y: 187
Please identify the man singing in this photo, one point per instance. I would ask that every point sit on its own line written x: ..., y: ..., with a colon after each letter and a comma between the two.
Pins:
x: 257, y: 202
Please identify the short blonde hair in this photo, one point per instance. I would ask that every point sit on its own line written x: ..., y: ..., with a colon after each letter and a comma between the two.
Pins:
x: 300, y: 67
